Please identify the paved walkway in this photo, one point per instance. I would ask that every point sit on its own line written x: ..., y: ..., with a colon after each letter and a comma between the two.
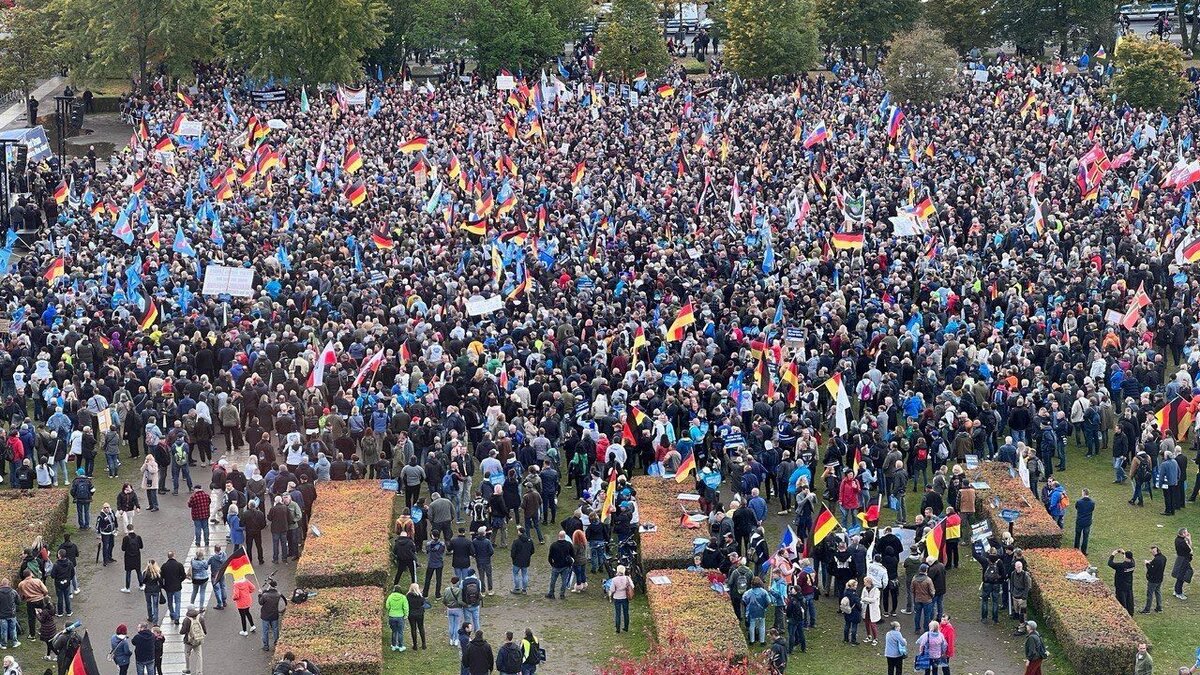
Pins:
x: 17, y: 111
x: 102, y: 606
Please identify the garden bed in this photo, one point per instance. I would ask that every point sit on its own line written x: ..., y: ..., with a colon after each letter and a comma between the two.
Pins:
x: 354, y: 519
x: 1034, y: 527
x: 24, y: 516
x: 671, y: 545
x: 1095, y: 633
x: 338, y: 630
x: 688, y: 613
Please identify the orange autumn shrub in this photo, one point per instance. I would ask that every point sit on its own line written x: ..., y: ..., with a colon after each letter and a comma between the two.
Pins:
x: 670, y: 658
x: 354, y: 519
x: 1097, y: 636
x: 1034, y: 528
x: 338, y: 630
x: 24, y: 516
x: 687, y: 613
x: 658, y: 503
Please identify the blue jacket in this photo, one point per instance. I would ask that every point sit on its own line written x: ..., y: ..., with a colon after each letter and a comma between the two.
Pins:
x: 755, y: 602
x: 237, y: 533
x: 893, y: 642
x: 1053, y: 499
x: 1168, y: 473
x: 121, y: 651
x: 1083, y: 512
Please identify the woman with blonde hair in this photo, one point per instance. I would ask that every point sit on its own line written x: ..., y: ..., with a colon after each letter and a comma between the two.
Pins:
x: 152, y: 587
x: 416, y: 614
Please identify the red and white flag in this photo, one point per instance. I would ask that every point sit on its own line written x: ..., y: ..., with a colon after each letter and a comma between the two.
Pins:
x: 327, y: 357
x: 1134, y: 313
x: 370, y: 366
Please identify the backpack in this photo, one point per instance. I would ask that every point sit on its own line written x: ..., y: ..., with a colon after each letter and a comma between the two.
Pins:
x: 991, y: 575
x: 922, y: 454
x: 1143, y: 471
x: 79, y: 490
x: 179, y: 455
x: 447, y: 484
x: 1063, y: 501
x: 844, y: 606
x: 195, y: 633
x: 471, y: 592
x: 509, y: 659
x: 741, y: 583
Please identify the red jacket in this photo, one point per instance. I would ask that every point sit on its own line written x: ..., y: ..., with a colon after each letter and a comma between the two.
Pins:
x: 948, y: 633
x: 16, y: 448
x: 199, y: 503
x: 848, y: 493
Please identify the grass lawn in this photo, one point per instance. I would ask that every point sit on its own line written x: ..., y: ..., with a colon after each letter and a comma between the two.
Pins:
x: 1174, y: 631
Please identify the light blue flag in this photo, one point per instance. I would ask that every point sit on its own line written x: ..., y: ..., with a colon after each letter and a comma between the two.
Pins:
x: 303, y: 99
x: 779, y: 312
x: 284, y: 261
x: 182, y: 246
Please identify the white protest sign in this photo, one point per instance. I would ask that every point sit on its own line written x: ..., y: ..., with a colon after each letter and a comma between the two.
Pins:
x: 505, y: 82
x: 477, y: 305
x: 235, y: 281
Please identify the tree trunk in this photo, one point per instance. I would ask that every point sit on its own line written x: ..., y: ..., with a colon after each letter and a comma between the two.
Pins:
x: 1181, y: 17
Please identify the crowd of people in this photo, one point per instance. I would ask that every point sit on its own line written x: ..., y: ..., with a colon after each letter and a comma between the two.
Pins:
x: 804, y: 291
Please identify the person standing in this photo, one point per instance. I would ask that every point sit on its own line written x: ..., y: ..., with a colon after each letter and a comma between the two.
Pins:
x: 127, y: 504
x: 151, y: 588
x: 1035, y: 649
x: 483, y: 550
x: 416, y: 614
x: 35, y: 594
x: 131, y: 551
x: 850, y: 606
x: 253, y: 522
x: 173, y: 575
x: 120, y: 650
x: 62, y: 573
x: 397, y: 611
x: 144, y: 646
x: 895, y: 648
x: 934, y: 645
x: 10, y: 631
x: 199, y: 503
x: 452, y: 601
x: 621, y: 589
x: 521, y: 552
x: 477, y: 656
x: 922, y: 595
x: 106, y: 527
x: 1143, y: 663
x: 270, y: 604
x: 1084, y: 508
x: 562, y: 559
x: 1121, y: 561
x: 1155, y: 569
x: 1181, y: 571
x: 509, y: 657
x: 531, y: 652
x: 82, y: 490
x: 243, y: 595
x: 216, y: 576
x: 404, y: 551
x: 193, y: 631
x: 435, y: 562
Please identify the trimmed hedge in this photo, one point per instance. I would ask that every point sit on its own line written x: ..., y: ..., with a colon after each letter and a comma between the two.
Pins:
x: 338, y: 630
x: 1034, y: 528
x: 658, y: 503
x: 1097, y: 636
x: 688, y: 613
x: 354, y: 518
x: 24, y: 516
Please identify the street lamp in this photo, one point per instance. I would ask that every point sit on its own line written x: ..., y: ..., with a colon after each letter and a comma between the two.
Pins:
x: 62, y: 110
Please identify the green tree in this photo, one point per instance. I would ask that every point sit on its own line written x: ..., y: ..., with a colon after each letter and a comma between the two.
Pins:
x: 311, y: 41
x: 967, y: 23
x: 512, y: 34
x: 865, y: 23
x: 1149, y: 74
x: 920, y: 66
x: 770, y: 37
x: 102, y: 38
x: 25, y: 53
x: 631, y: 40
x: 1070, y: 24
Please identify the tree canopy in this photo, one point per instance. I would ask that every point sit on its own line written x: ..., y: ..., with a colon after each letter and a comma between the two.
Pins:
x: 770, y: 37
x: 631, y: 40
x: 1149, y: 74
x: 920, y: 66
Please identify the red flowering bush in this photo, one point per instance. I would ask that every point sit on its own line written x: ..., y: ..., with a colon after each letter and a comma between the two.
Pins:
x: 1097, y: 636
x: 671, y: 545
x: 24, y: 516
x: 669, y: 658
x: 354, y: 519
x: 338, y: 630
x: 1034, y: 528
x: 688, y: 614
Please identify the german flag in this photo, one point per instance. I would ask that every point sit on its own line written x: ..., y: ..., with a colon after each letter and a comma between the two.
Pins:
x: 476, y: 227
x: 484, y: 205
x: 247, y: 179
x: 686, y: 318
x: 824, y: 526
x: 150, y: 316
x: 56, y: 269
x: 507, y: 204
x: 164, y: 144
x: 633, y: 421
x: 521, y: 288
x: 665, y: 91
x: 639, y: 341
x: 688, y: 465
x: 139, y: 182
x: 1176, y: 417
x: 455, y: 172
x: 356, y: 193
x: 351, y: 159
x: 83, y: 661
x: 184, y: 98
x: 510, y: 125
x: 516, y: 236
x: 239, y: 565
x: 269, y: 160
x: 61, y: 192
x: 260, y: 131
x: 791, y: 376
x: 225, y: 192
x: 381, y: 241
x: 848, y: 240
x: 577, y: 175
x: 1188, y: 251
x: 610, y: 496
x: 935, y: 540
x: 97, y: 209
x: 925, y: 209
x: 415, y: 145
x: 177, y: 124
